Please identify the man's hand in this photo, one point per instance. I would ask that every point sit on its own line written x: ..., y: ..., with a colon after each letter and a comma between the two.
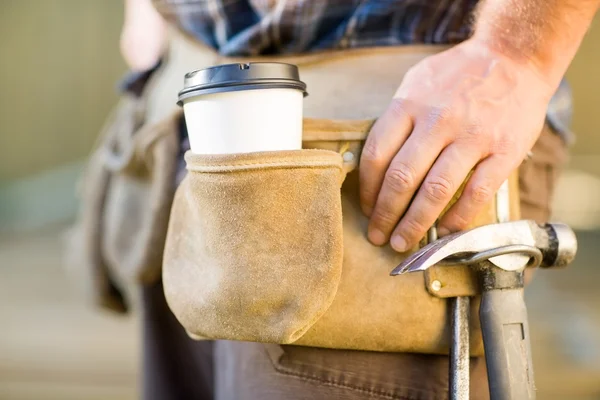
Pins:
x: 466, y: 109
x: 470, y: 114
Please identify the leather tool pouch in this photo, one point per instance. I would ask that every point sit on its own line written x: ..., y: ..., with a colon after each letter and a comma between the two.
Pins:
x: 271, y: 247
x: 138, y: 201
x: 254, y: 250
x: 125, y: 197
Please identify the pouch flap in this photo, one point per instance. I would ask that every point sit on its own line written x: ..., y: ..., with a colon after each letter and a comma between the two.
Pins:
x: 254, y: 248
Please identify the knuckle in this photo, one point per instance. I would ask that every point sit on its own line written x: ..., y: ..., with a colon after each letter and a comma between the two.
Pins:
x: 368, y: 197
x: 412, y: 229
x: 440, y: 116
x: 438, y: 189
x: 440, y: 123
x: 400, y: 177
x: 457, y: 222
x: 477, y: 135
x: 506, y: 144
x: 368, y: 194
x: 474, y: 136
x: 370, y: 152
x: 475, y: 128
x: 481, y: 193
x: 397, y: 108
x: 444, y: 113
x: 384, y: 218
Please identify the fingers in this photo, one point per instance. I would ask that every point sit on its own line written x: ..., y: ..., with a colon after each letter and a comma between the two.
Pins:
x: 402, y: 180
x: 479, y: 191
x: 437, y: 190
x: 385, y: 139
x: 428, y: 165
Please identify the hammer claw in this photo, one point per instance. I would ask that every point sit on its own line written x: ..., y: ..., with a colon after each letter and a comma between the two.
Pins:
x: 470, y: 242
x: 422, y: 259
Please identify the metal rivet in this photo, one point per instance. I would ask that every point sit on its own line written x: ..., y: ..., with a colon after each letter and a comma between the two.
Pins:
x: 436, y: 285
x: 348, y: 156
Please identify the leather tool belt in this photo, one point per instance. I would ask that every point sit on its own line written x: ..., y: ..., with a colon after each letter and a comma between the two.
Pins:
x: 266, y: 247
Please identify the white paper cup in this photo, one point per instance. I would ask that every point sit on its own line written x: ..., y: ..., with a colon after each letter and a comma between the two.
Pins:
x: 242, y: 108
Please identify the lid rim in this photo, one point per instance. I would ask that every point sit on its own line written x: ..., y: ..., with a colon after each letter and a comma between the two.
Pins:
x: 255, y: 82
x: 241, y: 76
x: 186, y: 94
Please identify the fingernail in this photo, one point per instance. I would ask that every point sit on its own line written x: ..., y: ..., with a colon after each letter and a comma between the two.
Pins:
x: 398, y: 243
x: 443, y: 231
x: 376, y: 237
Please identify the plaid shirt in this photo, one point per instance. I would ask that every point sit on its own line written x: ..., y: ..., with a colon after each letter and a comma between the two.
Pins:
x: 256, y: 27
x: 260, y: 27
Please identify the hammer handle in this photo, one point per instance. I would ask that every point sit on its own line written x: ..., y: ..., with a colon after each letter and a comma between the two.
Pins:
x: 505, y: 330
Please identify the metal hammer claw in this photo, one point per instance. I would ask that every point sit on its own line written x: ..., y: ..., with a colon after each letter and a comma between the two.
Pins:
x: 499, y: 253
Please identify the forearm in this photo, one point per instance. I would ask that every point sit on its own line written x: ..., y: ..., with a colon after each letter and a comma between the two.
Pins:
x: 543, y: 33
x: 144, y: 35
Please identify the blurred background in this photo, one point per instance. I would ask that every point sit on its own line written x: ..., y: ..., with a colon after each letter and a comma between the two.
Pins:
x: 59, y: 67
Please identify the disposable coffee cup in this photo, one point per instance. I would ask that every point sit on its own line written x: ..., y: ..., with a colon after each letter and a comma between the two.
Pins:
x: 243, y: 108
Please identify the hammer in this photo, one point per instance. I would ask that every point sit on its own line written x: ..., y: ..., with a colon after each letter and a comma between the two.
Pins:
x: 499, y: 254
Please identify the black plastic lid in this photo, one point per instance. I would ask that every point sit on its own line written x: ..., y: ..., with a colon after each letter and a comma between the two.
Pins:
x: 233, y: 77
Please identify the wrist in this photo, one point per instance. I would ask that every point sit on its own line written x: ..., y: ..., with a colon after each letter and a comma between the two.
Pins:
x: 543, y: 34
x: 538, y: 62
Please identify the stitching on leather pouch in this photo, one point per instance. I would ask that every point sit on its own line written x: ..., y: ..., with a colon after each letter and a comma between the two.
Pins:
x: 230, y: 167
x: 423, y: 395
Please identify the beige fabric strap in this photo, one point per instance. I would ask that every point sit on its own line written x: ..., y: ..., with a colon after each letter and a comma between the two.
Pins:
x: 344, y: 136
x: 317, y: 130
x: 355, y: 84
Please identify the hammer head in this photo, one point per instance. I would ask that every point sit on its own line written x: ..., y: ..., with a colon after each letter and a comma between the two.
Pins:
x: 557, y: 243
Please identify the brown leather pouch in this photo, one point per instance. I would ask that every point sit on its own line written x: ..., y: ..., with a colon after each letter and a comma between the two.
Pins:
x: 139, y: 196
x: 254, y: 250
x: 125, y: 198
x: 272, y: 247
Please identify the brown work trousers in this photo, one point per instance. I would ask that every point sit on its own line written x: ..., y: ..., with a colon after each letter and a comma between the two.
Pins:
x: 177, y: 367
